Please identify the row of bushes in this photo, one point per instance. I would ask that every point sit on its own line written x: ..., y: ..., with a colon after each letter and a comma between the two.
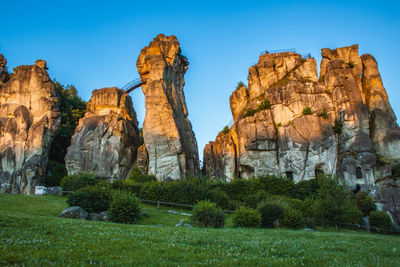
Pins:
x: 226, y: 195
x: 277, y: 201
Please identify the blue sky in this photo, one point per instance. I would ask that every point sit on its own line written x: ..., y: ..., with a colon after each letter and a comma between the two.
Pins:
x: 95, y: 44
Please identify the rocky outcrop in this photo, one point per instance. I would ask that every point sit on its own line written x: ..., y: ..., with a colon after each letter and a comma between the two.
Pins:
x: 168, y: 136
x: 3, y: 70
x: 289, y: 122
x: 107, y: 137
x: 29, y: 120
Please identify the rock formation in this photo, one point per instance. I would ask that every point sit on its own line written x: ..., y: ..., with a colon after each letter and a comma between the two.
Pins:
x: 29, y: 119
x: 169, y: 140
x: 289, y: 122
x: 107, y: 137
x: 3, y: 70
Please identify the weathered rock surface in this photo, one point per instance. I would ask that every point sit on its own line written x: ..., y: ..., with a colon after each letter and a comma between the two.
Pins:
x: 29, y: 120
x: 170, y: 142
x: 74, y: 213
x: 3, y: 69
x: 107, y: 137
x: 101, y: 217
x: 350, y: 125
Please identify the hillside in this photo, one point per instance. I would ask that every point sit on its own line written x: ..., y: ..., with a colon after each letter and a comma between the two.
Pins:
x: 31, y: 234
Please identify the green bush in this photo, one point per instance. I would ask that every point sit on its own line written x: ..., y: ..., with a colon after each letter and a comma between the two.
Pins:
x: 306, y: 189
x: 124, y: 208
x: 352, y: 215
x: 79, y: 180
x: 239, y: 85
x: 246, y: 217
x: 249, y: 113
x: 365, y: 203
x: 271, y: 212
x: 225, y: 130
x: 334, y: 202
x: 337, y: 126
x: 264, y: 105
x: 56, y: 171
x: 206, y: 214
x: 253, y: 200
x: 220, y: 198
x: 307, y: 111
x: 381, y: 220
x: 323, y: 114
x: 136, y: 175
x: 91, y: 199
x: 291, y: 218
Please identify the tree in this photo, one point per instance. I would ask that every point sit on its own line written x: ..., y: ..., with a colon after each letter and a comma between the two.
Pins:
x: 334, y: 202
x: 71, y: 108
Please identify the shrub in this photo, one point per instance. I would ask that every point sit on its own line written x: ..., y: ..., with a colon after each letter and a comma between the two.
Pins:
x: 264, y: 105
x: 206, y: 214
x: 239, y: 85
x: 306, y: 189
x: 271, y: 212
x: 225, y: 130
x: 323, y: 114
x: 220, y: 198
x: 91, y: 199
x: 124, y: 208
x: 338, y: 126
x: 253, y: 200
x: 246, y: 217
x: 79, y: 180
x: 307, y: 111
x: 365, y: 203
x: 352, y: 215
x: 56, y: 171
x: 381, y: 220
x: 291, y: 218
x: 249, y: 113
x: 350, y: 64
x: 136, y: 175
x: 334, y: 202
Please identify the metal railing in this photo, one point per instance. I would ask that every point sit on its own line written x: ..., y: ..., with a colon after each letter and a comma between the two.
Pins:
x: 132, y: 85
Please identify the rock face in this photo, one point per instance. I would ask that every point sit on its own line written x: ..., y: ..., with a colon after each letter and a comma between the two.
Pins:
x: 29, y: 119
x: 289, y: 122
x: 3, y: 70
x: 107, y: 137
x: 169, y: 140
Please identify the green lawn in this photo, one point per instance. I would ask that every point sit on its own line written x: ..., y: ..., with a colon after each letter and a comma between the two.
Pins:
x: 32, y: 235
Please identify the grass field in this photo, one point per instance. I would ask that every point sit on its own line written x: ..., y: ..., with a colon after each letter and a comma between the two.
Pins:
x: 32, y: 235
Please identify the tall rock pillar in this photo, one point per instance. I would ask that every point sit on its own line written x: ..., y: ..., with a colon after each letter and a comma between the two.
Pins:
x: 29, y: 120
x: 106, y: 139
x: 170, y: 141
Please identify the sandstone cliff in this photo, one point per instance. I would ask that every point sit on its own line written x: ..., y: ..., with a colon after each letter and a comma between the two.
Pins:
x: 289, y: 122
x: 29, y: 119
x: 107, y: 137
x: 169, y: 140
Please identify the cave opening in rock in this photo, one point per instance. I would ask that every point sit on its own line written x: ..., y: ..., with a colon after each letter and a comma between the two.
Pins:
x: 318, y: 172
x: 289, y: 175
x: 359, y: 173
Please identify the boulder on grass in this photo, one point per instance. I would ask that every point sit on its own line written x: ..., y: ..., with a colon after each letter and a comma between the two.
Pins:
x: 74, y: 213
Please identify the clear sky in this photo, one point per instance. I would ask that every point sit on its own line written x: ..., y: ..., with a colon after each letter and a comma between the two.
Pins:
x: 95, y: 44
